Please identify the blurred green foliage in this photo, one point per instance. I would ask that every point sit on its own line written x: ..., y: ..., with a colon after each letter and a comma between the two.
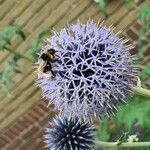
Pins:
x: 102, y: 5
x: 144, y: 16
x: 10, y: 66
x: 144, y: 13
x: 103, y: 129
x: 5, y: 75
x: 138, y: 108
x: 7, y: 33
x: 37, y: 41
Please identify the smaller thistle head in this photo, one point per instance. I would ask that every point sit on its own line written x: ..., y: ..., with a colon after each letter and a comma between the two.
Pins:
x: 70, y: 134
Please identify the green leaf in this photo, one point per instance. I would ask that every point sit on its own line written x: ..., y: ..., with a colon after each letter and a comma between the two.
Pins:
x: 145, y: 72
x: 122, y: 138
x: 17, y: 70
x: 5, y: 90
x: 138, y: 109
x: 16, y: 57
x: 36, y: 42
x: 144, y: 16
x: 19, y: 31
x: 7, y: 33
x: 141, y: 50
x: 144, y: 13
x: 9, y: 68
x: 11, y: 65
x: 128, y: 1
x: 102, y: 131
x: 102, y: 6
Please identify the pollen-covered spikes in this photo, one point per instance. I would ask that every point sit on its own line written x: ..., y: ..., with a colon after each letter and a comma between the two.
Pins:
x: 47, y: 40
x: 70, y: 133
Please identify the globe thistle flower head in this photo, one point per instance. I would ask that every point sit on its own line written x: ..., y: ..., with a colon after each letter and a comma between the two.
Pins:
x: 70, y: 134
x: 93, y: 70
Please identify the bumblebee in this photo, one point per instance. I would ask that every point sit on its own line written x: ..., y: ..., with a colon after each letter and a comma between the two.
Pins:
x: 47, y: 57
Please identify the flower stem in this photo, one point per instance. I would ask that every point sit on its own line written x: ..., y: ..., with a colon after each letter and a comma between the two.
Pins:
x: 141, y: 91
x: 100, y: 144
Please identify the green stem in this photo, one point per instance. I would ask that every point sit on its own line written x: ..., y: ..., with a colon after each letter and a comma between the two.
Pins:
x: 100, y: 144
x: 16, y: 53
x: 141, y: 91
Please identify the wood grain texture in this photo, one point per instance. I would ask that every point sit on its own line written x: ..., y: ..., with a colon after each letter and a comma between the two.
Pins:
x: 24, y: 115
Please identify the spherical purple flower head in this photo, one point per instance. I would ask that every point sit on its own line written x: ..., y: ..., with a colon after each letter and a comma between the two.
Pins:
x: 93, y: 71
x: 70, y: 134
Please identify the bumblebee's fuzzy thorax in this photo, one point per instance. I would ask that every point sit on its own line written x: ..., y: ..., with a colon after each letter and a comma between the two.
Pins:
x: 48, y: 55
x: 44, y: 66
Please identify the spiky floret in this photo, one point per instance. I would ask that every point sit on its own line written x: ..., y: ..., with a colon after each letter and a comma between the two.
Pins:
x: 94, y: 70
x: 67, y: 133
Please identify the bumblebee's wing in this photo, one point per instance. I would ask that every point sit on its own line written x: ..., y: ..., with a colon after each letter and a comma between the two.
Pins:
x: 41, y: 66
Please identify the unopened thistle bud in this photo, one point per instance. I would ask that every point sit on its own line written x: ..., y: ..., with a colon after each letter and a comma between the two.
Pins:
x: 70, y: 134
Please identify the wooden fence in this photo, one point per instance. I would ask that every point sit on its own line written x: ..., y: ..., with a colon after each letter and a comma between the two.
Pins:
x: 24, y: 115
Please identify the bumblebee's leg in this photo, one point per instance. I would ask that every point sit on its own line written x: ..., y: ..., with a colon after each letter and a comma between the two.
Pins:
x: 53, y: 73
x: 46, y: 69
x: 50, y: 66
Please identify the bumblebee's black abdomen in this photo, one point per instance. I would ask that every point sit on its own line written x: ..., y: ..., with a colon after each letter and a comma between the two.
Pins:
x: 44, y: 57
x: 46, y: 69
